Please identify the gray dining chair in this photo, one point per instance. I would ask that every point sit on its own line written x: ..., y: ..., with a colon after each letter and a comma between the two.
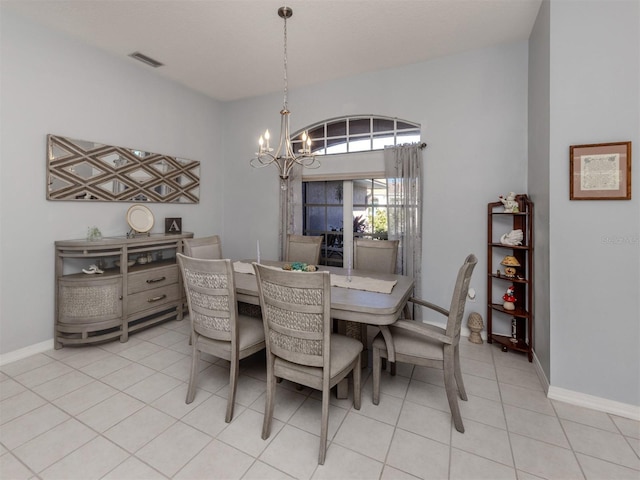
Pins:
x: 203, y: 247
x: 303, y: 248
x: 301, y: 348
x: 378, y: 256
x: 216, y: 326
x: 431, y: 346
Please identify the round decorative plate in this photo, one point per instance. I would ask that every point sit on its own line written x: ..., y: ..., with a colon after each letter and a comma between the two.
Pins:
x: 140, y: 218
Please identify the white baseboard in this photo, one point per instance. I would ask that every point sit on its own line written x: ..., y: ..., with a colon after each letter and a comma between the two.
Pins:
x: 465, y: 332
x: 26, y: 352
x: 585, y: 400
x: 596, y: 403
x: 541, y: 375
x: 582, y: 399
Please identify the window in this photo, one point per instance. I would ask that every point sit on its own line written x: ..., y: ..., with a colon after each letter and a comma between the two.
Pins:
x: 327, y: 209
x: 357, y: 134
x: 350, y: 196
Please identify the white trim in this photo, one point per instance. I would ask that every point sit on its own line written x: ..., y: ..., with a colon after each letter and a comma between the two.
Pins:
x: 347, y: 166
x: 596, y: 403
x: 26, y: 352
x: 330, y: 177
x: 464, y: 331
x: 577, y: 398
x: 541, y: 375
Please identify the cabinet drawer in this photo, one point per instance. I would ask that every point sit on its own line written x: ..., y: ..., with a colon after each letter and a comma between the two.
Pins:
x: 152, y: 278
x: 156, y: 297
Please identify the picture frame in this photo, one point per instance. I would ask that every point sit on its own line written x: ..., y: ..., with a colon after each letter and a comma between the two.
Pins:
x: 172, y: 225
x: 600, y: 171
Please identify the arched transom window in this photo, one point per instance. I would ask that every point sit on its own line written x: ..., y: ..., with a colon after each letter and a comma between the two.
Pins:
x: 358, y: 133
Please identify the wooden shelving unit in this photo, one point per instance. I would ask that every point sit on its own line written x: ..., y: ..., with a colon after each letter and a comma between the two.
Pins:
x: 500, y: 222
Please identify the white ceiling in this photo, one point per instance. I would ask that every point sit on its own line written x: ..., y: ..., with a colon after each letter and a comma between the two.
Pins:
x: 232, y: 49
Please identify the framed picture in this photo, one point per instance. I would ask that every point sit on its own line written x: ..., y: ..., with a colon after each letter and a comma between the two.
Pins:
x: 173, y: 225
x: 601, y: 171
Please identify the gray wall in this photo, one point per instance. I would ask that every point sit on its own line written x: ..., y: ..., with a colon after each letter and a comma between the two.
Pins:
x: 594, y: 78
x: 538, y: 179
x: 52, y: 84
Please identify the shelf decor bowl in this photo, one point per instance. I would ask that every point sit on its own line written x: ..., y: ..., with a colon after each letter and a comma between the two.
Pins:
x: 299, y: 267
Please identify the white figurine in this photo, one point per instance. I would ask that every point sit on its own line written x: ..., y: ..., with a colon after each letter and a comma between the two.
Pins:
x: 92, y: 269
x: 510, y: 204
x: 514, y: 237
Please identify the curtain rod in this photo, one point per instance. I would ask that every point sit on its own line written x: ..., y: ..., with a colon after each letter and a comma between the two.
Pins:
x: 421, y: 145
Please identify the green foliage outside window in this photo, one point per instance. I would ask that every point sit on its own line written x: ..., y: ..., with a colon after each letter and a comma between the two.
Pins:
x: 380, y: 221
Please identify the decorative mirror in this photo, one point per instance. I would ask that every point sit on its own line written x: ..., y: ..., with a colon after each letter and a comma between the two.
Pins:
x: 89, y: 171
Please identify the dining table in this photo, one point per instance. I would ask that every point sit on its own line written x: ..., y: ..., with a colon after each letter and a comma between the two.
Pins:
x: 349, y: 302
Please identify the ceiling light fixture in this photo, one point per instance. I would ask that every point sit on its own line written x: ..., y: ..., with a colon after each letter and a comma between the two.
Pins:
x: 284, y: 156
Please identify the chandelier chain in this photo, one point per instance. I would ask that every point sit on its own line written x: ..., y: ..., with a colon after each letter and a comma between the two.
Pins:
x: 286, y: 80
x: 284, y: 157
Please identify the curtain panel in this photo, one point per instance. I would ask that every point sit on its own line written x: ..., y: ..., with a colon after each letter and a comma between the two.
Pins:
x: 403, y: 168
x: 290, y: 207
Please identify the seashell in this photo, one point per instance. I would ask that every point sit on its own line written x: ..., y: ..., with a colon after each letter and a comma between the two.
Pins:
x: 92, y: 269
x: 514, y: 237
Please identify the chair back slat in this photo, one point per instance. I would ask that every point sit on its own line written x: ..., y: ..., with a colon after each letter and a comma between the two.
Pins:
x: 209, y: 286
x: 459, y: 297
x: 375, y: 255
x: 204, y: 247
x: 296, y: 310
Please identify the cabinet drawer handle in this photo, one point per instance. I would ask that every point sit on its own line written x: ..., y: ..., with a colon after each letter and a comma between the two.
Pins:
x: 156, y: 280
x: 155, y: 299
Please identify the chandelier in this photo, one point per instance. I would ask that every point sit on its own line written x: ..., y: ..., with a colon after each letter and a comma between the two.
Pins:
x: 284, y: 157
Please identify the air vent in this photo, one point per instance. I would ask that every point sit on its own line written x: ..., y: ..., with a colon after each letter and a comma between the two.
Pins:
x: 144, y: 59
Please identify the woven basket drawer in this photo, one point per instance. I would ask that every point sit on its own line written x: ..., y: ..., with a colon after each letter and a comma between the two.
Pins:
x: 139, y: 302
x: 151, y: 279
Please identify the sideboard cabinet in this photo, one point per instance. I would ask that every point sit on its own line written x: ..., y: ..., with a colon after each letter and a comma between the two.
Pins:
x: 140, y: 286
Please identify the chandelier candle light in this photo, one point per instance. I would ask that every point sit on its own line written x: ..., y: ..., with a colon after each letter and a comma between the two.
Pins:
x: 284, y: 157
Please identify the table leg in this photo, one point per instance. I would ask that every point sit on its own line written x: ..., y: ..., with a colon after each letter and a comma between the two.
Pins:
x: 357, y: 331
x: 353, y: 330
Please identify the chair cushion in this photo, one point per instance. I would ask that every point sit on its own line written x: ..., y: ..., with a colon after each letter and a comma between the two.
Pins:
x: 344, y: 351
x: 250, y: 333
x: 409, y: 343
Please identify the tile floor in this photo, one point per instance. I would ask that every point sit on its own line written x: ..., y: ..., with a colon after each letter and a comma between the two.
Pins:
x: 117, y: 411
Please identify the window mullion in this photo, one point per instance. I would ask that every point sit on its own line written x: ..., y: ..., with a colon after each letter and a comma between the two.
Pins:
x: 347, y: 222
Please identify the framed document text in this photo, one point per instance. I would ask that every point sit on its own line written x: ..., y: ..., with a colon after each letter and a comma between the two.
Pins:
x: 601, y: 171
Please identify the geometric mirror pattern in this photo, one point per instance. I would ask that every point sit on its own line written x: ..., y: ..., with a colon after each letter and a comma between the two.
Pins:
x: 89, y: 171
